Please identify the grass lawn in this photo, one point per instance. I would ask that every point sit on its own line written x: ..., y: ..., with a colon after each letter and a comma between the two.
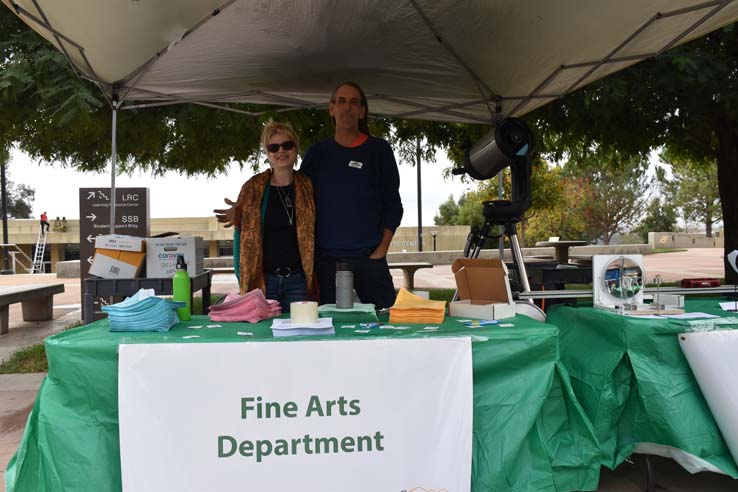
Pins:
x: 30, y: 359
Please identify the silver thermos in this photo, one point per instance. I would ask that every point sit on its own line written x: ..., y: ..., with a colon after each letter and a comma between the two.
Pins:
x: 344, y: 285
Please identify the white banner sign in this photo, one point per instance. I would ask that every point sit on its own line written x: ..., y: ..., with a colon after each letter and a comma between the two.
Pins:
x: 355, y: 415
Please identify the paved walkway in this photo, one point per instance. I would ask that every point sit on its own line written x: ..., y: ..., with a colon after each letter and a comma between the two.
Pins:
x: 18, y: 391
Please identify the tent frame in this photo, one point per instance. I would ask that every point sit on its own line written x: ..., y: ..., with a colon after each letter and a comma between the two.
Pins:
x: 116, y: 97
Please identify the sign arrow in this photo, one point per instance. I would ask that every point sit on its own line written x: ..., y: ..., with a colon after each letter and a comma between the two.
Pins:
x: 89, y: 260
x: 90, y: 195
x: 91, y: 216
x: 89, y: 238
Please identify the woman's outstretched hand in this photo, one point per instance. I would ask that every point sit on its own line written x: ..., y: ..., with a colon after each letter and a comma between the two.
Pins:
x: 226, y: 216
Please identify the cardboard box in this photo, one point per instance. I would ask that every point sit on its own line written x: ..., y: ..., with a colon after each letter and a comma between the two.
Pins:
x: 161, y: 255
x: 481, y: 309
x: 111, y: 263
x: 120, y: 242
x: 484, y: 289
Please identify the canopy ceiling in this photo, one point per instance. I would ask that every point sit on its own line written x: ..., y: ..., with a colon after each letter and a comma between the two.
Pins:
x: 444, y: 60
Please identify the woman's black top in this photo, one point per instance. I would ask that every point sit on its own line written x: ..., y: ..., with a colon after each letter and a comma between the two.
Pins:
x: 280, y: 237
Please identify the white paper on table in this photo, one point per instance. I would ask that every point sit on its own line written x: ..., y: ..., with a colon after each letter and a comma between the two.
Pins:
x: 286, y: 324
x: 689, y: 315
x: 729, y: 306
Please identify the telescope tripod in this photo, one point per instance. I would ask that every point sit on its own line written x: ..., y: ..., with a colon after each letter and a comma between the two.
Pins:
x: 498, y: 213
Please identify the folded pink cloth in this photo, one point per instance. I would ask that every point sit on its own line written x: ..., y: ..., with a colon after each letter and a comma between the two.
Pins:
x: 251, y: 307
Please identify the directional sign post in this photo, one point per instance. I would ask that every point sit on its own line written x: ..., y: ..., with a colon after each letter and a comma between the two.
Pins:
x: 131, y: 219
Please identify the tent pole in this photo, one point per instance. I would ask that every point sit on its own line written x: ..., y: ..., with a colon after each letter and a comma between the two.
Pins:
x: 420, y: 195
x: 113, y: 155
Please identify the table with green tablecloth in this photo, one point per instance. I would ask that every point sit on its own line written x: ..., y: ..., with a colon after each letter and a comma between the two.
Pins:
x: 530, y: 433
x: 637, y: 388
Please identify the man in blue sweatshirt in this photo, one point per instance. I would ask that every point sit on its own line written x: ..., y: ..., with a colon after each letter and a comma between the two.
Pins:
x: 358, y: 206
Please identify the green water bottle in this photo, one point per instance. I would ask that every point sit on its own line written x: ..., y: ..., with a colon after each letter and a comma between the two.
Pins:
x: 181, y: 289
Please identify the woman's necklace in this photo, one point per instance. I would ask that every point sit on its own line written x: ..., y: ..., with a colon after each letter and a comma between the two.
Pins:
x: 286, y: 199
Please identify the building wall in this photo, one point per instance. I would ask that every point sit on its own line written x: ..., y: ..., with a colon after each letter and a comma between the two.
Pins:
x: 24, y: 233
x: 685, y: 240
x: 447, y: 238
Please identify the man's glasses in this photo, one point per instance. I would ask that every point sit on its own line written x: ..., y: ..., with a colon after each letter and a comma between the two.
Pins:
x: 274, y: 147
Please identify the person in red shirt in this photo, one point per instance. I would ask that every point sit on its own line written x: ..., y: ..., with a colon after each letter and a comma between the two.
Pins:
x: 44, y: 222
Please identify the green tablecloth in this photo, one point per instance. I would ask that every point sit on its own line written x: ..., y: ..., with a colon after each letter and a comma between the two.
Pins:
x: 530, y: 434
x: 636, y: 386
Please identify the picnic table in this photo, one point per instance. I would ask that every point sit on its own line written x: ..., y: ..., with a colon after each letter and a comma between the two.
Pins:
x: 561, y: 248
x: 408, y: 270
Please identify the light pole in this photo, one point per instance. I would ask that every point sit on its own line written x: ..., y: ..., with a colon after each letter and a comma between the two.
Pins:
x: 434, y: 234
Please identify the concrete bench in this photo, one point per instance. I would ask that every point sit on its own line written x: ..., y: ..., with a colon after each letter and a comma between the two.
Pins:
x: 37, y: 302
x: 408, y: 270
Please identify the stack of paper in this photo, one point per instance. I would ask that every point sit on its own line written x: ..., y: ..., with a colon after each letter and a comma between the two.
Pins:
x: 410, y: 308
x: 252, y: 307
x: 286, y: 328
x: 360, y: 313
x: 143, y: 312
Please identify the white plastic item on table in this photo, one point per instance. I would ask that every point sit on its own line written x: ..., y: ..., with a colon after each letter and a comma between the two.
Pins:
x: 712, y: 357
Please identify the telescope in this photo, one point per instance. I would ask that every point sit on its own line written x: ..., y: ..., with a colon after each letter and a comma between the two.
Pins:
x: 510, y: 141
x: 509, y: 144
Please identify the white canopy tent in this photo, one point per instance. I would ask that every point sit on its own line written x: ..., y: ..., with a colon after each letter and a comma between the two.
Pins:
x: 444, y: 60
x: 438, y: 60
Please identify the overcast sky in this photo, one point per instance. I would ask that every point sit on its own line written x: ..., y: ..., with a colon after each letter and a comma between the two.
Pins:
x: 177, y: 196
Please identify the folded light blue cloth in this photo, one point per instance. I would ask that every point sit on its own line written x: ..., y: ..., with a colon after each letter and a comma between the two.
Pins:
x: 143, y: 312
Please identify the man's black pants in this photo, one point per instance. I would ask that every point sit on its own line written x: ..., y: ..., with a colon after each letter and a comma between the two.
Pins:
x: 372, y: 279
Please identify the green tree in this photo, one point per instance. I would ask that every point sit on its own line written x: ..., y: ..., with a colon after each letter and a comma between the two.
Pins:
x: 20, y: 200
x: 448, y: 213
x: 615, y: 195
x: 661, y: 216
x: 552, y: 213
x: 685, y: 100
x: 471, y: 209
x: 693, y: 188
x: 19, y: 197
x: 453, y: 138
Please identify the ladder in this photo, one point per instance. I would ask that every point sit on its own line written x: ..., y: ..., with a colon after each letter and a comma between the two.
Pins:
x: 38, y: 255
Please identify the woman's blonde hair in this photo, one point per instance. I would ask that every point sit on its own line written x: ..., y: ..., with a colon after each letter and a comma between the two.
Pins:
x: 272, y: 128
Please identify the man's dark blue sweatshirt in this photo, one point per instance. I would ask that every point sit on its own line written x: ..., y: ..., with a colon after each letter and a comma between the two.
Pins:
x: 356, y: 195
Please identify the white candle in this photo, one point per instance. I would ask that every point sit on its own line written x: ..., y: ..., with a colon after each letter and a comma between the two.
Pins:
x: 304, y: 312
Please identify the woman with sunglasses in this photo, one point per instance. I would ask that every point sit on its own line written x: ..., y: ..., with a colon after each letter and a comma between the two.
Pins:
x: 275, y: 214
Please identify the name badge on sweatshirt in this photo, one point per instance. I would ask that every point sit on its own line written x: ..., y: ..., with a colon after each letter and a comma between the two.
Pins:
x: 356, y: 164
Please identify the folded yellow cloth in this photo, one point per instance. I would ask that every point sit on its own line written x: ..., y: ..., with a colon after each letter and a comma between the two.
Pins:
x: 409, y: 308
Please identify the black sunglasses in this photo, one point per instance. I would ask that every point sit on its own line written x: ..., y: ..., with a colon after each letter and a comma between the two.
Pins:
x: 274, y: 147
